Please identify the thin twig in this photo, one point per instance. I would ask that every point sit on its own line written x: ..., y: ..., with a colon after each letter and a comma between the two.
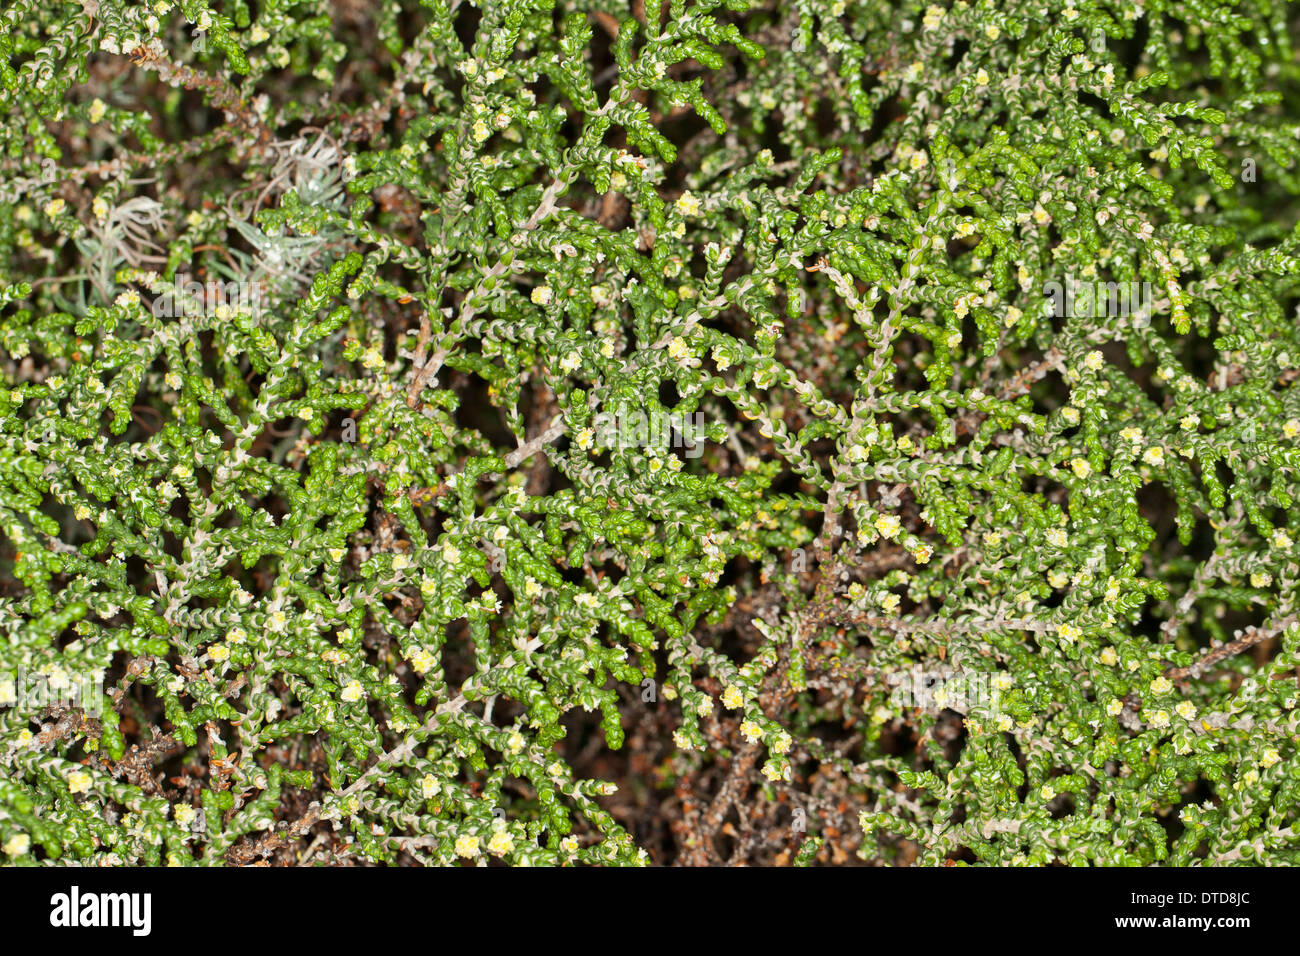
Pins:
x: 1252, y: 636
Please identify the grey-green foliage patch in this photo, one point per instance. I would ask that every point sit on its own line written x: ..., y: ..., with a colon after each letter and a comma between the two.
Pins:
x: 314, y: 318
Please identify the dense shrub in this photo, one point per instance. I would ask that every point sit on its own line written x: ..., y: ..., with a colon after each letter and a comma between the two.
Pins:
x: 781, y: 432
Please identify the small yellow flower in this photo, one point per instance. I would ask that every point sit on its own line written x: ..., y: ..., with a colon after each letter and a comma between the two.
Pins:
x: 1292, y: 428
x: 1057, y: 538
x: 467, y: 846
x: 1260, y: 579
x: 97, y: 110
x: 1158, y: 719
x: 1154, y: 456
x: 687, y: 204
x: 429, y: 786
x: 751, y: 731
x: 1281, y: 540
x: 888, y: 525
x: 184, y: 814
x: 923, y: 554
x: 677, y: 348
x: 732, y: 698
x: 571, y: 362
x: 501, y: 843
x: 18, y: 844
x: 982, y: 77
x: 541, y: 295
x: 1069, y: 633
x: 1269, y: 758
x: 219, y: 653
x: 1081, y: 467
x: 78, y: 781
x: 1186, y: 710
x: 422, y: 660
x: 1094, y: 360
x: 1161, y: 685
x: 352, y: 691
x: 1114, y: 707
x: 54, y: 207
x: 1108, y: 656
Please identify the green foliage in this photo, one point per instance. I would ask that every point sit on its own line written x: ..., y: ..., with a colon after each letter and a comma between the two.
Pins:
x: 350, y: 357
